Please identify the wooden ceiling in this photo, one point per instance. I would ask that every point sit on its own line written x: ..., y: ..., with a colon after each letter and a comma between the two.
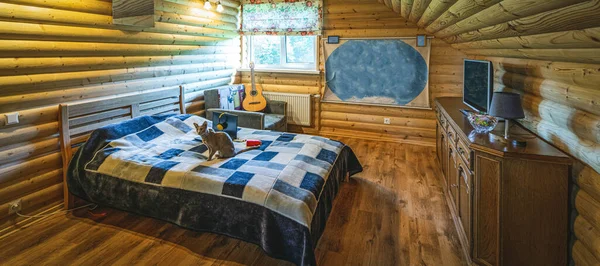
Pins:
x: 555, y: 30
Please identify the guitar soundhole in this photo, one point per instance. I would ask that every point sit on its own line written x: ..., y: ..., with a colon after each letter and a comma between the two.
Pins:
x: 253, y: 93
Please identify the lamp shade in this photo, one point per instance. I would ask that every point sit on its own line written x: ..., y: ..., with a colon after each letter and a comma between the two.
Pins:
x: 506, y: 105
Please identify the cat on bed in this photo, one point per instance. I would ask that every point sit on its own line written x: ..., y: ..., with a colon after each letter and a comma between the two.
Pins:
x: 217, y: 142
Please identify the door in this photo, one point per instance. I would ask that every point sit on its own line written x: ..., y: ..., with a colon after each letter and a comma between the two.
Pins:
x: 438, y: 144
x: 465, y: 200
x: 442, y: 148
x: 486, y: 216
x: 453, y: 176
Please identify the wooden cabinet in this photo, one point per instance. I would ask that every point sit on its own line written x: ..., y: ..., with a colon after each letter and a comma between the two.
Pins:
x: 485, y: 210
x: 438, y: 142
x: 464, y: 202
x: 442, y: 152
x: 509, y: 203
x: 452, y: 177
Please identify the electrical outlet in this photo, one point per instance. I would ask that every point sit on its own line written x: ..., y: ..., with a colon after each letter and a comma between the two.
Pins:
x: 387, y: 121
x: 12, y: 118
x: 15, y: 206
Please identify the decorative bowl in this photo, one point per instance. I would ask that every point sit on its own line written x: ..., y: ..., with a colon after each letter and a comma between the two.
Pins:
x: 482, y: 123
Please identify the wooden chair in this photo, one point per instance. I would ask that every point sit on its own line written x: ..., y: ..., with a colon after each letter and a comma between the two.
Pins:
x: 274, y: 117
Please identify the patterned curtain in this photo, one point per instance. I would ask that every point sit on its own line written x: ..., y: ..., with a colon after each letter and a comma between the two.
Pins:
x: 282, y: 17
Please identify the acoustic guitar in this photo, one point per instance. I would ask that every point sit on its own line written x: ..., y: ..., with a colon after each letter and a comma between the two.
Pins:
x: 254, y: 100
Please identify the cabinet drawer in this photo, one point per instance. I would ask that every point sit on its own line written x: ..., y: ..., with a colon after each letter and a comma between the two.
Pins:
x: 465, y: 153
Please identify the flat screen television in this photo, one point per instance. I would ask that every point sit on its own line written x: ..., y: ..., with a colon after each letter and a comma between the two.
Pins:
x: 478, y: 84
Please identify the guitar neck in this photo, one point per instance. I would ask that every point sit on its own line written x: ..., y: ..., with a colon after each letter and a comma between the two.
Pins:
x: 252, y: 79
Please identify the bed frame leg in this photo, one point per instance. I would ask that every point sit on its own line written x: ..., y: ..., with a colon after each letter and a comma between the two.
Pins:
x: 69, y: 201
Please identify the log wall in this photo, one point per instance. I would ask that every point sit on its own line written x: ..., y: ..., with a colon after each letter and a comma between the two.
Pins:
x: 289, y: 83
x: 548, y: 51
x: 59, y: 51
x: 562, y: 105
x: 368, y: 18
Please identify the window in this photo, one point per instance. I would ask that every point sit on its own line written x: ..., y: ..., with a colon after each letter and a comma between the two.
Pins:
x: 281, y: 52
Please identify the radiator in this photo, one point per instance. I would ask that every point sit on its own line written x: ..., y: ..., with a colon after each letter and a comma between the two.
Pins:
x: 299, y: 106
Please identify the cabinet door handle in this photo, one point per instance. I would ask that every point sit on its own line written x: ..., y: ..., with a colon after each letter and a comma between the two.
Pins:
x: 462, y: 174
x: 461, y: 151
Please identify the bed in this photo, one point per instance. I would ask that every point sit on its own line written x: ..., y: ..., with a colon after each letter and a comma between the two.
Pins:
x: 143, y: 156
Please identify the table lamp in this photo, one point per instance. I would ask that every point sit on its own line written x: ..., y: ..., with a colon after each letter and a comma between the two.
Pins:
x: 506, y: 105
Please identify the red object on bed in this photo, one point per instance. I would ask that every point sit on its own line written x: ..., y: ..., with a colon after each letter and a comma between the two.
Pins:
x: 253, y: 143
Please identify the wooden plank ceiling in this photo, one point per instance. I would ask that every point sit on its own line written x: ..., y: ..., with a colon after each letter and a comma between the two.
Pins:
x: 554, y: 30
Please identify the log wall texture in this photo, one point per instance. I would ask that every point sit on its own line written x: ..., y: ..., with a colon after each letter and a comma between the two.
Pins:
x: 289, y: 83
x: 368, y: 18
x: 562, y: 105
x: 357, y: 19
x: 548, y: 51
x: 53, y: 52
x: 60, y: 51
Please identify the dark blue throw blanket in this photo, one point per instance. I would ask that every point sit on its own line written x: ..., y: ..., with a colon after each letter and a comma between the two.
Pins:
x: 278, y: 196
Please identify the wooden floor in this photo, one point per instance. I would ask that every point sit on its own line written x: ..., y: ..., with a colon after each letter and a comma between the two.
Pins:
x: 393, y: 213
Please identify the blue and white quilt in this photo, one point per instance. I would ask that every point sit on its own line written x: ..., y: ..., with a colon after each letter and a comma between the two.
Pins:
x: 277, y: 196
x: 286, y: 174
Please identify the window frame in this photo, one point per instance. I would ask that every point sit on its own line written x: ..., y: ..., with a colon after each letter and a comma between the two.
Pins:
x: 283, y: 66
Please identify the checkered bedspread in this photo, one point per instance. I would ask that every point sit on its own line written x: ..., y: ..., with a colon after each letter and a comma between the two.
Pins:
x: 286, y: 174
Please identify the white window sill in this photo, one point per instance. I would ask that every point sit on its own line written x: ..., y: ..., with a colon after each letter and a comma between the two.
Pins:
x: 279, y: 70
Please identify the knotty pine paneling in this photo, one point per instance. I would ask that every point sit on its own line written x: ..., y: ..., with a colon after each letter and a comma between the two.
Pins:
x: 60, y: 51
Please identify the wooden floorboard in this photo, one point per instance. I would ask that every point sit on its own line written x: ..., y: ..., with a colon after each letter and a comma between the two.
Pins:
x: 393, y: 213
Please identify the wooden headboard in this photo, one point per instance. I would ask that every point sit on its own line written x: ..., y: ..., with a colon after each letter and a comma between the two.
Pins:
x: 78, y: 120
